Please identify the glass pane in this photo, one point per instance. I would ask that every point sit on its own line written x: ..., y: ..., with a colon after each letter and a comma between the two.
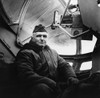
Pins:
x: 88, y: 46
x: 61, y: 42
x: 86, y: 65
x: 68, y: 48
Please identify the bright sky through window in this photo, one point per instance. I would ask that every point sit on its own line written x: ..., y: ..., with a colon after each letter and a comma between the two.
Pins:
x: 72, y: 1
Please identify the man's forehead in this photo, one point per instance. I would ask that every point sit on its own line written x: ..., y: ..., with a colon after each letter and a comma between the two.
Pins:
x: 41, y: 33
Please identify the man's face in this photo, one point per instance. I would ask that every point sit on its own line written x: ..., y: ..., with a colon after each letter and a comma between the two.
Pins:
x: 40, y: 38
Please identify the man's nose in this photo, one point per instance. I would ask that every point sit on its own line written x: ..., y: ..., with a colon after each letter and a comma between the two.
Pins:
x: 42, y: 37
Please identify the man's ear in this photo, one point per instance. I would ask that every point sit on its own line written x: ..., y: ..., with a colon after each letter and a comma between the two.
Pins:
x: 33, y: 39
x: 34, y: 35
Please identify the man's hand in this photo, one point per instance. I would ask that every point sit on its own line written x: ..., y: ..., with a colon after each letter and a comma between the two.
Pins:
x: 51, y: 83
x: 72, y: 81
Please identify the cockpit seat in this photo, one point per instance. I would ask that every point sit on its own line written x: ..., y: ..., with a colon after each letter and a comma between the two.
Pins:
x: 8, y: 85
x: 87, y: 88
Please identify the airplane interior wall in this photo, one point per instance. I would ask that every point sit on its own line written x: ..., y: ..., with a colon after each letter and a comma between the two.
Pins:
x: 96, y: 58
x: 8, y: 51
x: 7, y: 39
x: 89, y: 8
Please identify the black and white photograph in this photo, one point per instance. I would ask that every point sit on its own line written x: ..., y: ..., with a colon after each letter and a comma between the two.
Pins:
x: 49, y: 49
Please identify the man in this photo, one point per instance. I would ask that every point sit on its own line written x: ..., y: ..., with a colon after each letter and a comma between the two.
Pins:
x: 40, y: 68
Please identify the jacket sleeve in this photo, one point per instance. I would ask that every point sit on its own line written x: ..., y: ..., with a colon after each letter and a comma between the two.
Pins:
x: 67, y: 72
x: 65, y: 69
x: 26, y: 72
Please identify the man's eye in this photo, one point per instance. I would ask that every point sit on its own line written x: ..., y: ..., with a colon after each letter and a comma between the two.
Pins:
x: 38, y: 36
x: 45, y: 36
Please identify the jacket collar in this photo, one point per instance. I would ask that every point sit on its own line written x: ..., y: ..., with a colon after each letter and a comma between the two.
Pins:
x: 32, y: 45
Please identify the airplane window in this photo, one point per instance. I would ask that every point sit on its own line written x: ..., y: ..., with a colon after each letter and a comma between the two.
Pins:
x: 71, y: 1
x: 88, y: 46
x: 98, y: 2
x: 58, y: 40
x: 73, y: 6
x: 70, y: 63
x: 98, y: 5
x: 61, y: 42
x: 86, y: 65
x: 68, y: 48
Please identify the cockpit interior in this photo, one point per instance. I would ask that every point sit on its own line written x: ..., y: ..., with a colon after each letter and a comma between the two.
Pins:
x: 74, y: 32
